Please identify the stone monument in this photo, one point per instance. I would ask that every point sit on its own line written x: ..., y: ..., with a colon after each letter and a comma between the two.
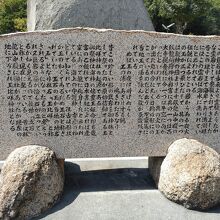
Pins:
x: 114, y: 14
x: 105, y: 93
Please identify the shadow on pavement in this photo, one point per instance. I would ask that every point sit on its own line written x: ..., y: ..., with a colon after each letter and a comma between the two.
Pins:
x: 103, y: 180
x: 100, y: 180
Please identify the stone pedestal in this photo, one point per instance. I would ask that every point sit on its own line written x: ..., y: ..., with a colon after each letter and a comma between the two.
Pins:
x: 154, y: 164
x: 113, y: 14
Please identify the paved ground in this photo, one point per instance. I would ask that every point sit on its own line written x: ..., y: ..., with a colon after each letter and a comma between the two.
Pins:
x: 117, y: 194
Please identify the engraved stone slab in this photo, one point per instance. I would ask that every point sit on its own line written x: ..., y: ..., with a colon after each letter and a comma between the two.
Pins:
x: 105, y: 93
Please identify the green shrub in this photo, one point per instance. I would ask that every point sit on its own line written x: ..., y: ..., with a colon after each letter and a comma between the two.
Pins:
x: 13, y: 15
x: 189, y: 16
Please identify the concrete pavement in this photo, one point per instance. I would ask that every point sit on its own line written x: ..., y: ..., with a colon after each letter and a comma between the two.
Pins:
x: 117, y: 194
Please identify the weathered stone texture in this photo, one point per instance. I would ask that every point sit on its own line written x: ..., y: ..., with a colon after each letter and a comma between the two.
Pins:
x: 31, y: 181
x: 106, y: 93
x: 190, y: 175
x: 114, y: 14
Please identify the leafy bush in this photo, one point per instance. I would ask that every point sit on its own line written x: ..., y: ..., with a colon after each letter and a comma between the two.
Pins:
x: 189, y: 16
x: 13, y: 15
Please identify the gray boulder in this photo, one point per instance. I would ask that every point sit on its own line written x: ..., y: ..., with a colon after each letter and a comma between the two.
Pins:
x: 31, y: 181
x: 190, y: 175
x: 114, y: 14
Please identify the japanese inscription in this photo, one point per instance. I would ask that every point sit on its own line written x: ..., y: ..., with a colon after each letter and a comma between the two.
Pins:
x: 103, y: 93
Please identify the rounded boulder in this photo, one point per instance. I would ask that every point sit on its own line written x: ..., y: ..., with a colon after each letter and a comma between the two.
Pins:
x: 31, y: 181
x: 190, y: 175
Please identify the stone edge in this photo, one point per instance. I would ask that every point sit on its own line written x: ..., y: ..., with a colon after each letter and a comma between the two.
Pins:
x: 90, y: 164
x: 87, y: 29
